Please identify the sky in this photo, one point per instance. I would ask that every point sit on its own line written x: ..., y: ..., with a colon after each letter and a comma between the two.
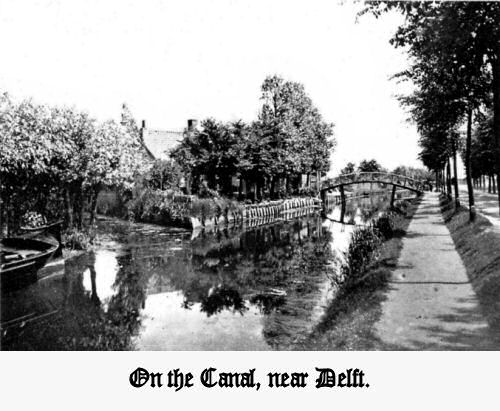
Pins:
x: 170, y: 61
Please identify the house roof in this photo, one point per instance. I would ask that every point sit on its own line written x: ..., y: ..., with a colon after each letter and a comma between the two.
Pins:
x: 159, y: 143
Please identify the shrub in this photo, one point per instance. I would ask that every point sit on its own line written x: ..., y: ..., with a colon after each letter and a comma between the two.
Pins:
x: 157, y: 206
x: 384, y: 225
x: 75, y: 239
x: 365, y: 243
x: 170, y: 207
x: 112, y: 202
x: 163, y: 175
x: 308, y: 191
x: 401, y: 207
x: 361, y: 252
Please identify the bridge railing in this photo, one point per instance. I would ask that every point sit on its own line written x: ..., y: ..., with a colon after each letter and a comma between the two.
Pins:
x: 376, y: 177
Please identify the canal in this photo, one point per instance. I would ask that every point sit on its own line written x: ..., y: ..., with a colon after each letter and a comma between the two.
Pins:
x: 147, y: 287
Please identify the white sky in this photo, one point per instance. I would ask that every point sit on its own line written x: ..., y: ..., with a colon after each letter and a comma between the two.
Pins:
x: 170, y: 61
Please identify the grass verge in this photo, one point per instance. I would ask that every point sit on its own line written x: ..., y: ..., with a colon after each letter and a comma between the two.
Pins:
x: 478, y: 244
x: 348, y: 321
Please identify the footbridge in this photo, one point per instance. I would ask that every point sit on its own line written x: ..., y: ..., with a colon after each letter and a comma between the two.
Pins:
x: 395, y: 180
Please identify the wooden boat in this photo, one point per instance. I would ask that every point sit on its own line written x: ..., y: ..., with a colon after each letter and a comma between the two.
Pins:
x: 21, y: 258
x: 52, y: 230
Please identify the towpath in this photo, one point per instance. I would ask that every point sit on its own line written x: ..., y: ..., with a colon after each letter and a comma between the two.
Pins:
x: 431, y: 303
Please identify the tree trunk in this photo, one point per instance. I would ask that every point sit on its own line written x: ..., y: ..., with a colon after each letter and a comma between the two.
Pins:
x: 7, y: 210
x: 495, y: 69
x: 240, y: 188
x: 455, y: 174
x: 78, y: 207
x: 1, y: 216
x: 69, y: 208
x: 93, y: 205
x: 273, y: 187
x: 448, y: 178
x: 489, y: 184
x: 470, y: 189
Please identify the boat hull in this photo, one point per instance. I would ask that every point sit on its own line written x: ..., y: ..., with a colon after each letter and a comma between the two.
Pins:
x: 22, y: 258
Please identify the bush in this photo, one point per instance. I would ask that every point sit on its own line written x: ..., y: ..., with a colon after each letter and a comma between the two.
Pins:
x: 163, y: 175
x: 365, y: 243
x: 169, y: 207
x: 308, y: 191
x: 113, y: 202
x: 164, y: 207
x: 401, y: 207
x: 203, y: 208
x: 384, y: 226
x: 75, y: 239
x: 361, y: 252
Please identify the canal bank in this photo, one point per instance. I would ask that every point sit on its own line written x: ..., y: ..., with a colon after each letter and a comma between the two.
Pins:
x: 478, y: 244
x: 437, y: 297
x: 431, y: 303
x: 348, y: 321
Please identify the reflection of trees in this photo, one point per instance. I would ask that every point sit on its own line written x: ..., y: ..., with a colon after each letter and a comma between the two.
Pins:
x: 266, y: 266
x: 367, y: 207
x: 223, y: 298
x: 96, y: 328
x: 267, y: 303
x: 278, y: 268
x: 80, y: 320
x: 306, y: 271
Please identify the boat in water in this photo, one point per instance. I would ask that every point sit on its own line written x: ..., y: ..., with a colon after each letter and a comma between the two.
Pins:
x: 21, y: 258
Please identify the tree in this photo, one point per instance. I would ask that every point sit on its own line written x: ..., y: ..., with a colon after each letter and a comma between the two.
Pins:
x: 454, y: 48
x: 52, y: 158
x: 288, y: 139
x: 300, y: 140
x: 350, y: 168
x: 210, y: 153
x: 413, y: 172
x: 483, y: 150
x: 369, y: 166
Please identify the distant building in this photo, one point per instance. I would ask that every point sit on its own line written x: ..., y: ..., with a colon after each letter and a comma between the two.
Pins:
x: 160, y: 143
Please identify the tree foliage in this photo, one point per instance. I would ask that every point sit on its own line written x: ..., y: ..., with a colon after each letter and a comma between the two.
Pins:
x: 289, y: 138
x: 454, y: 50
x: 52, y: 158
x: 369, y: 166
x: 349, y: 168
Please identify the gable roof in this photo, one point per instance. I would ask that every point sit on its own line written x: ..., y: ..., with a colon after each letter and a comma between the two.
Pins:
x: 159, y: 143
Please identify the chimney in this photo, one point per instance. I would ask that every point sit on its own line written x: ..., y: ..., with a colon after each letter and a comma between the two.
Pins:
x: 192, y: 124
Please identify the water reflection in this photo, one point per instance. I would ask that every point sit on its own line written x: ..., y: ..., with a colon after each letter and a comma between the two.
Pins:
x: 147, y: 287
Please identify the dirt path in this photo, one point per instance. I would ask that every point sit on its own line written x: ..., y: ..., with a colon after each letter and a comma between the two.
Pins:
x: 430, y: 303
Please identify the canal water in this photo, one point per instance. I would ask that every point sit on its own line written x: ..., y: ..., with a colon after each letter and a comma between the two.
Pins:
x: 147, y: 287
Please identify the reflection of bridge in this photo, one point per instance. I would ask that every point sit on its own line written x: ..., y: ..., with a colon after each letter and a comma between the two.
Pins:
x: 371, y: 177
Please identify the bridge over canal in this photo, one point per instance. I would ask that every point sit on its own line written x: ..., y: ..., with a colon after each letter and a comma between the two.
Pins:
x: 395, y: 180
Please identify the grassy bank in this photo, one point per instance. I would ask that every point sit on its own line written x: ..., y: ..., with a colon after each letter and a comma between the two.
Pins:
x: 349, y: 319
x: 478, y: 244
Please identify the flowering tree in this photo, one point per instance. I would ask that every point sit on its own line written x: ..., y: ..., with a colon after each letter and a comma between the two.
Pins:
x: 53, y: 158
